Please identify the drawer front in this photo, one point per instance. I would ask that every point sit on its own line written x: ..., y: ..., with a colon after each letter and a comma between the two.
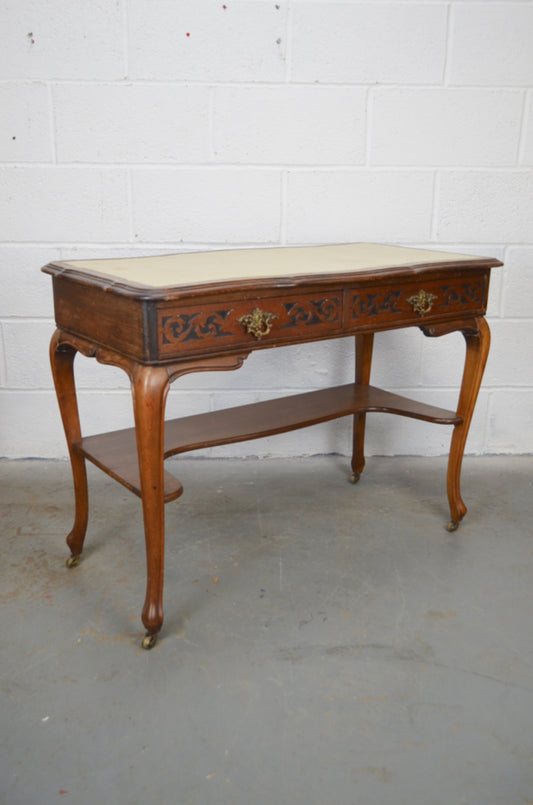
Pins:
x: 251, y: 323
x: 416, y: 302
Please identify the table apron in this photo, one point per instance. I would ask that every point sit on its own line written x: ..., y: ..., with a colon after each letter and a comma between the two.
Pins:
x: 220, y: 326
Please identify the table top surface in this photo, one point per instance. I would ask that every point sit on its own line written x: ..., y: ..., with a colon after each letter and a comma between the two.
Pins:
x: 234, y: 265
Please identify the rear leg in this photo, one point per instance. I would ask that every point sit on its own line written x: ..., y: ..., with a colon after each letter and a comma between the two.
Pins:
x: 363, y: 363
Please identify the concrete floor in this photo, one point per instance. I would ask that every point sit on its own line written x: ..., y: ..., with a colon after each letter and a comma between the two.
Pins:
x: 323, y: 643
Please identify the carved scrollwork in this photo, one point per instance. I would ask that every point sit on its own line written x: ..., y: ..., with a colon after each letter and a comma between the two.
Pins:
x: 183, y: 327
x: 319, y: 311
x: 464, y: 294
x: 369, y: 305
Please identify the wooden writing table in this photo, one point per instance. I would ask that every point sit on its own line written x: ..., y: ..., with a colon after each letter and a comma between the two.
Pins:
x: 162, y: 317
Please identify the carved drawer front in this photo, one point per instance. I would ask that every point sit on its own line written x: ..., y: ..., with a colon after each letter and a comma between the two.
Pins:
x: 250, y: 323
x: 416, y: 302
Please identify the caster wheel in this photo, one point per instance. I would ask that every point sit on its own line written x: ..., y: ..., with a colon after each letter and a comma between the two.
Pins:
x: 453, y: 525
x: 354, y: 477
x: 149, y: 641
x: 72, y: 561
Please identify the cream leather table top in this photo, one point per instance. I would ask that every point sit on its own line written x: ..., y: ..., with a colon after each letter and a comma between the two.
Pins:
x: 194, y: 268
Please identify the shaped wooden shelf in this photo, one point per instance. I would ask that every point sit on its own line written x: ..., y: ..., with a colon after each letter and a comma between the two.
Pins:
x: 116, y: 452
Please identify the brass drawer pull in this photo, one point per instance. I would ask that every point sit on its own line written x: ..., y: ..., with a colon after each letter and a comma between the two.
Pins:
x: 422, y: 302
x: 258, y: 322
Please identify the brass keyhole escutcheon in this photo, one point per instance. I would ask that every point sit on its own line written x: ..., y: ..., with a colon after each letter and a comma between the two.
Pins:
x: 258, y: 323
x: 422, y: 302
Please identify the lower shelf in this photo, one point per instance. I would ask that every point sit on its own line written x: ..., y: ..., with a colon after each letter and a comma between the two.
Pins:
x: 116, y: 453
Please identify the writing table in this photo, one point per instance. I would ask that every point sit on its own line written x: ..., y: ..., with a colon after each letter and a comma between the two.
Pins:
x: 159, y: 318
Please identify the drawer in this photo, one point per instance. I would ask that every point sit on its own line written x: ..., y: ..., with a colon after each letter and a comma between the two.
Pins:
x: 416, y: 302
x: 250, y: 323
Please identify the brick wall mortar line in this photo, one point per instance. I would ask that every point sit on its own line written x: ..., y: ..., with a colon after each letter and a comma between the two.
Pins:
x: 274, y: 166
x: 131, y: 217
x: 284, y: 212
x: 289, y: 28
x: 210, y: 134
x: 52, y: 124
x: 449, y: 45
x: 125, y: 37
x: 368, y: 127
x: 128, y: 81
x: 526, y: 106
x: 435, y: 206
x: 475, y: 248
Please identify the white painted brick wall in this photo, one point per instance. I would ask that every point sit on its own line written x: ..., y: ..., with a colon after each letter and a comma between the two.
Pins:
x: 517, y: 295
x: 56, y: 203
x: 485, y: 206
x: 445, y: 126
x: 210, y: 205
x: 368, y: 43
x: 134, y: 126
x: 201, y: 41
x: 127, y: 133
x: 63, y: 40
x: 25, y: 130
x: 386, y: 205
x: 292, y: 125
x: 490, y: 44
x: 2, y: 359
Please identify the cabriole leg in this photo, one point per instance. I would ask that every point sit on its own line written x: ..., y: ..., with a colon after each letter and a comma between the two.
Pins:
x: 150, y: 387
x: 477, y: 350
x: 62, y: 362
x: 363, y: 363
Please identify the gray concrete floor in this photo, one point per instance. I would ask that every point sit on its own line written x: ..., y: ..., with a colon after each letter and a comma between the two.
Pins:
x: 324, y: 643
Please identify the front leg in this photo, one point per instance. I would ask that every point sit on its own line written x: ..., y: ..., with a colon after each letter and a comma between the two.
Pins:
x: 477, y: 350
x: 62, y: 362
x: 363, y: 362
x: 477, y: 336
x: 150, y: 386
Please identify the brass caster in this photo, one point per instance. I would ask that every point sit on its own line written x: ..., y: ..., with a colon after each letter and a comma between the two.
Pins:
x: 453, y: 525
x: 72, y: 561
x: 149, y: 641
x: 354, y: 477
